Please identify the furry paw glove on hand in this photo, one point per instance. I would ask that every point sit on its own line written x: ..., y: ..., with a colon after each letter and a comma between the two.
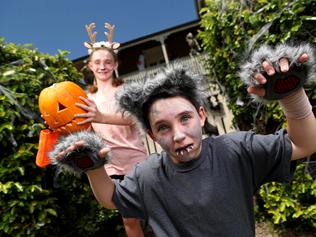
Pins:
x: 82, y: 158
x: 280, y: 84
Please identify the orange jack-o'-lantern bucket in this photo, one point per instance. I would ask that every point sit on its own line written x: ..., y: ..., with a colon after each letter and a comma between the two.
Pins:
x: 57, y: 106
x: 58, y: 109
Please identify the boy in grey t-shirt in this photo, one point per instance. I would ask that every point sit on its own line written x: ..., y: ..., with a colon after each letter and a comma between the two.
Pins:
x: 199, y: 187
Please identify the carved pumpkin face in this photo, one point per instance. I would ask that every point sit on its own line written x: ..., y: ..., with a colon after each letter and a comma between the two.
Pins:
x: 57, y: 106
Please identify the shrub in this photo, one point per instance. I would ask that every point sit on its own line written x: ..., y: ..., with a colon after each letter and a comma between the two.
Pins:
x: 36, y: 201
x: 230, y: 30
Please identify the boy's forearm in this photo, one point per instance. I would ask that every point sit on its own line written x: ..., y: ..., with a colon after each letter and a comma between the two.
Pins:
x: 303, y: 136
x: 102, y: 187
x: 301, y: 124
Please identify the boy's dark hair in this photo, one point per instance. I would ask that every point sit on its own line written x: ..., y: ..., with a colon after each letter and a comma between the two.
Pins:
x: 137, y: 97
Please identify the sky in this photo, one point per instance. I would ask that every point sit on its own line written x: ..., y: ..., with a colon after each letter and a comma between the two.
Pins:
x: 52, y: 25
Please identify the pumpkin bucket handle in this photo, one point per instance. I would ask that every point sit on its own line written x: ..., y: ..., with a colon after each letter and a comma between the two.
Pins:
x: 47, y: 141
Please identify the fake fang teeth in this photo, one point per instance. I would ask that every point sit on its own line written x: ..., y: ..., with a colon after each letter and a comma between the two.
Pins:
x: 184, y: 150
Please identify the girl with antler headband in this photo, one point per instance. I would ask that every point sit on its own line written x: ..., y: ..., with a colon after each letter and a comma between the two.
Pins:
x: 119, y: 132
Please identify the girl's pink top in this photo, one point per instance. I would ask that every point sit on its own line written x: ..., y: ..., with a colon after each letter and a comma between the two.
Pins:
x: 126, y: 143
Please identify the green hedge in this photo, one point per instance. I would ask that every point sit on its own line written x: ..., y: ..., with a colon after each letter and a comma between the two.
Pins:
x: 230, y: 30
x: 36, y: 201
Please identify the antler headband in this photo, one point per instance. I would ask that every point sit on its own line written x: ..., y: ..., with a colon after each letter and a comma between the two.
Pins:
x: 101, y: 44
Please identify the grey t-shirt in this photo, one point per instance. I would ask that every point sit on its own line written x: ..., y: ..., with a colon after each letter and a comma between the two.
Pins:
x: 209, y: 196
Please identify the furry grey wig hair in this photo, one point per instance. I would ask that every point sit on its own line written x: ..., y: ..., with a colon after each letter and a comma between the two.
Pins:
x: 273, y: 55
x: 136, y: 97
x: 69, y: 162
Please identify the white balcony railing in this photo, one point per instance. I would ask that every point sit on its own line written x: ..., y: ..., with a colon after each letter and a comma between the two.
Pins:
x: 194, y: 63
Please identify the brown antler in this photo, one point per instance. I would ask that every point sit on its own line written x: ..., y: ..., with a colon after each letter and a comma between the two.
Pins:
x: 111, y: 30
x: 90, y: 34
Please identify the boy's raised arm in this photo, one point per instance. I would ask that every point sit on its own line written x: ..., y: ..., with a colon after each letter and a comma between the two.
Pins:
x: 85, y: 152
x: 279, y: 74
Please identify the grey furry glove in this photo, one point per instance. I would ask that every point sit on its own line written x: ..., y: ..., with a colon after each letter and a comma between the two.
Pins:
x: 82, y: 159
x: 280, y: 84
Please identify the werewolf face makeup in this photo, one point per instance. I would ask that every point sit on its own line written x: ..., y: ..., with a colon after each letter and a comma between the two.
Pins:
x: 177, y: 126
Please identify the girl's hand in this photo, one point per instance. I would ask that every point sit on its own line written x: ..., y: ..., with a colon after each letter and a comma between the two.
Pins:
x: 92, y: 115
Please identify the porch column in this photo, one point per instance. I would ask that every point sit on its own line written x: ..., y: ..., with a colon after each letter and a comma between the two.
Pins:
x: 161, y: 39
